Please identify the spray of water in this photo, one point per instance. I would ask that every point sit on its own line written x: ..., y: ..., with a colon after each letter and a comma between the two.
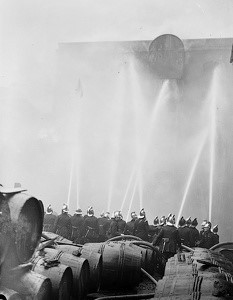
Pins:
x: 191, y: 174
x: 213, y: 108
x: 77, y: 186
x: 140, y: 190
x: 163, y: 94
x: 71, y: 178
x: 131, y: 201
x: 119, y: 99
x: 127, y: 189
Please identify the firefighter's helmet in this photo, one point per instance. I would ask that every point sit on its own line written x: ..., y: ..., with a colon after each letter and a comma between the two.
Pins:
x: 49, y: 210
x: 194, y: 222
x: 90, y: 211
x: 215, y: 228
x: 182, y: 221
x: 65, y: 208
x: 78, y: 211
x: 156, y: 221
x: 142, y: 214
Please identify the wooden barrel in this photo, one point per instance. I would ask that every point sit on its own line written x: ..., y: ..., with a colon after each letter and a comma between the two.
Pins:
x: 121, y: 263
x: 60, y: 275
x: 96, y: 268
x: 30, y: 284
x: 94, y: 259
x: 10, y: 294
x: 80, y: 269
x: 23, y: 226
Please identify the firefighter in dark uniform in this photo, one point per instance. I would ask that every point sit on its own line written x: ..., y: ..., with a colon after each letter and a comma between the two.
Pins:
x: 154, y: 229
x: 121, y: 223
x: 194, y: 234
x: 168, y: 239
x: 202, y: 228
x: 77, y: 222
x: 216, y: 236
x: 104, y: 223
x: 141, y: 226
x: 49, y: 220
x: 91, y: 227
x: 184, y: 231
x: 113, y: 230
x: 207, y: 238
x: 130, y: 225
x: 63, y: 224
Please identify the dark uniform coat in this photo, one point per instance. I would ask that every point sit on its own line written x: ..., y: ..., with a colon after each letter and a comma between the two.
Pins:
x: 129, y: 227
x: 153, y: 231
x: 185, y: 236
x: 49, y: 222
x: 168, y: 240
x: 194, y: 237
x: 63, y: 225
x: 121, y: 226
x: 113, y: 229
x: 207, y: 239
x: 91, y: 229
x: 104, y: 224
x: 77, y: 222
x: 141, y: 228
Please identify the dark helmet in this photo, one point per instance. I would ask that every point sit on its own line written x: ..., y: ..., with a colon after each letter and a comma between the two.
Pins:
x: 78, y: 211
x: 215, y: 228
x: 49, y: 210
x: 182, y: 221
x: 156, y: 221
x: 142, y: 214
x: 90, y: 211
x: 194, y: 222
x: 188, y: 221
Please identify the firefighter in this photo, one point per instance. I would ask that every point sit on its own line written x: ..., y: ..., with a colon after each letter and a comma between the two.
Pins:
x: 216, y: 236
x: 141, y: 226
x: 194, y: 234
x: 168, y: 239
x: 104, y: 223
x: 207, y: 239
x: 184, y: 231
x: 49, y: 220
x: 77, y: 222
x: 91, y: 227
x: 63, y: 224
x: 113, y: 230
x: 130, y: 225
x: 154, y: 229
x: 121, y: 223
x: 202, y: 227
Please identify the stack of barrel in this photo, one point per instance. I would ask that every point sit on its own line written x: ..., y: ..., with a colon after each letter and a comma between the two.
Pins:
x: 28, y: 270
x: 21, y: 220
x: 36, y: 265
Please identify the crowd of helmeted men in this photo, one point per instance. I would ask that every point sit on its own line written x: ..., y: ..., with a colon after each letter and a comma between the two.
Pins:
x: 163, y: 233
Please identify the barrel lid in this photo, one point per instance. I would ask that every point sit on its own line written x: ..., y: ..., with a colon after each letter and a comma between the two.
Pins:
x: 5, y: 190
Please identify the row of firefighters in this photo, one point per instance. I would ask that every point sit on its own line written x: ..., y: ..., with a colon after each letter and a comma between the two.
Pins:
x: 163, y: 234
